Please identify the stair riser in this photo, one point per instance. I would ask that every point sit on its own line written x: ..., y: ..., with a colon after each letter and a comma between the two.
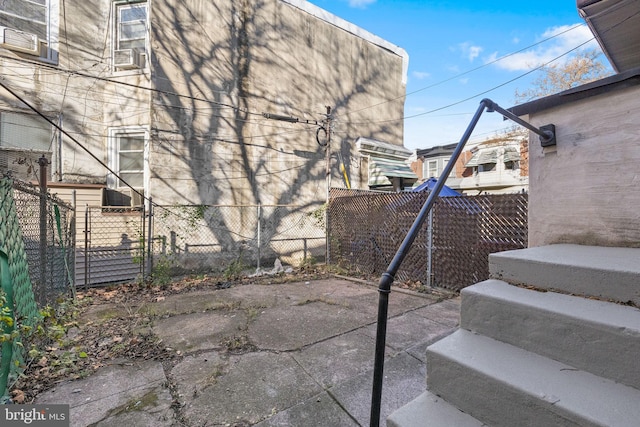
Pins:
x: 536, y: 322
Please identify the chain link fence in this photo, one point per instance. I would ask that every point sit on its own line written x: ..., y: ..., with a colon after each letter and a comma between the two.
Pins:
x: 123, y: 245
x: 452, y: 248
x: 47, y: 226
x: 36, y: 266
x: 223, y: 238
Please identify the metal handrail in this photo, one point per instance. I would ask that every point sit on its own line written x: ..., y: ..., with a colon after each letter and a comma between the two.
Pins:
x: 547, y: 137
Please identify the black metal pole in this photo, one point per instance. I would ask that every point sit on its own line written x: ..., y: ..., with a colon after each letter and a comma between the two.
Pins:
x: 545, y: 134
x: 384, y: 287
x: 150, y: 240
x: 42, y: 292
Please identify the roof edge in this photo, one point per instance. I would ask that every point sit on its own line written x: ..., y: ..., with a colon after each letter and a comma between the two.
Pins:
x: 329, y: 17
x: 608, y: 84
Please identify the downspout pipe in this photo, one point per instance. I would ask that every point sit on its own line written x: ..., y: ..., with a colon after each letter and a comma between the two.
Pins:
x: 384, y: 286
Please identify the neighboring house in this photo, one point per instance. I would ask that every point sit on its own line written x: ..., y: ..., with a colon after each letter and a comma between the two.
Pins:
x: 430, y: 162
x: 385, y: 165
x: 567, y: 335
x: 494, y: 166
x: 226, y: 103
x: 174, y: 96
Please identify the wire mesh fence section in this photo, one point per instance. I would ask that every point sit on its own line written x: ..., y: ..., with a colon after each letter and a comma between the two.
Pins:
x: 219, y: 238
x: 36, y: 251
x: 110, y: 248
x: 48, y: 226
x: 452, y: 247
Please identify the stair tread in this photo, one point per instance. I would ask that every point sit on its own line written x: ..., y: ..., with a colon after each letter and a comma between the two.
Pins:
x: 604, y: 272
x: 567, y: 391
x: 429, y: 410
x: 585, y: 310
x: 580, y: 256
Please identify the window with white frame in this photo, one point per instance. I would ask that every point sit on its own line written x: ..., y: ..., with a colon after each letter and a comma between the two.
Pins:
x: 127, y: 158
x: 432, y: 169
x: 130, y: 35
x: 29, y: 26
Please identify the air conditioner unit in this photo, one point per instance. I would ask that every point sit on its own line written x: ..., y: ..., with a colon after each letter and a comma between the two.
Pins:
x: 127, y: 59
x: 137, y: 200
x: 122, y: 197
x: 19, y: 41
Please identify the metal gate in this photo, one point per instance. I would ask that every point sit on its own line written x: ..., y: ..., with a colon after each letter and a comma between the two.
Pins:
x: 110, y: 247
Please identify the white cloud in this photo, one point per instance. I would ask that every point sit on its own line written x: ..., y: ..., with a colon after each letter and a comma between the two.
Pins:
x: 361, y: 4
x: 470, y: 51
x: 547, y: 51
x: 464, y: 80
x: 421, y: 75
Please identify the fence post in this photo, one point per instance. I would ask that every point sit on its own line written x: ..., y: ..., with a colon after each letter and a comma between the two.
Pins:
x: 43, y: 162
x: 174, y: 241
x: 150, y: 240
x: 259, y: 236
x: 429, y: 247
x: 86, y: 246
x: 72, y: 229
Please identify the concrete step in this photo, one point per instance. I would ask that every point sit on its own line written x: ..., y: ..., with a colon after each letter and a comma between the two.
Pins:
x: 429, y: 410
x: 503, y: 385
x: 606, y: 273
x: 595, y: 336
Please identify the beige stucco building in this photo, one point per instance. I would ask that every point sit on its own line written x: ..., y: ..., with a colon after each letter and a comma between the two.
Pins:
x: 174, y: 96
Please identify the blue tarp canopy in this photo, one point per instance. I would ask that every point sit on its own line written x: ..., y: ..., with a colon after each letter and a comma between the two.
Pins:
x: 429, y: 184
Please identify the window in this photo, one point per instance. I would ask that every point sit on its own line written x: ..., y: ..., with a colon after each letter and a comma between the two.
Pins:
x: 512, y: 165
x: 26, y: 27
x: 24, y: 138
x: 432, y: 169
x: 132, y: 26
x: 130, y: 33
x: 25, y: 131
x: 27, y: 16
x: 486, y: 167
x: 127, y: 158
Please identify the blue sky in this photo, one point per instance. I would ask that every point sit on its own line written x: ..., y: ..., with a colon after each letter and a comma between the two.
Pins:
x: 445, y: 40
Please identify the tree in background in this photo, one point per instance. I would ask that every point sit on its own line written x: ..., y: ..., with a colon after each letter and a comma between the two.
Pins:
x: 584, y: 67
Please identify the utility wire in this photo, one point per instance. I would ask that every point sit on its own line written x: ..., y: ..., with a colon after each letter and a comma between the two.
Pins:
x: 55, y: 125
x: 457, y: 76
x: 480, y: 93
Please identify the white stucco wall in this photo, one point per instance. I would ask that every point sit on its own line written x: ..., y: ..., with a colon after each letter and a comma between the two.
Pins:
x: 586, y: 189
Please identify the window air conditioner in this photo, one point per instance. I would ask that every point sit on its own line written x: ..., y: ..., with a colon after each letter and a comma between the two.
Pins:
x: 19, y: 41
x: 127, y: 59
x: 122, y: 197
x: 136, y: 199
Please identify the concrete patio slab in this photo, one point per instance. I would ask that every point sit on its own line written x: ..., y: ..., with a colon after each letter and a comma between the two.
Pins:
x: 351, y: 355
x: 297, y: 326
x: 245, y: 388
x: 132, y: 392
x: 304, y: 358
x: 404, y: 380
x: 319, y: 411
x: 199, y: 331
